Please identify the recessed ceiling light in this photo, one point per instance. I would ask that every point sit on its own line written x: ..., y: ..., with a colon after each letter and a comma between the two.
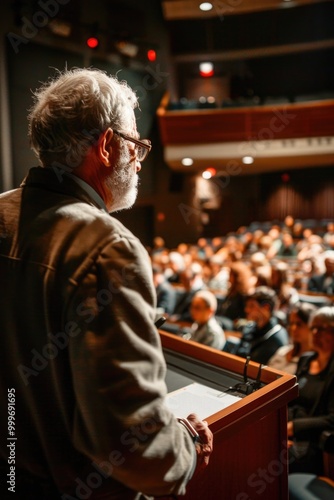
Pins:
x: 247, y: 160
x: 206, y: 6
x: 187, y: 162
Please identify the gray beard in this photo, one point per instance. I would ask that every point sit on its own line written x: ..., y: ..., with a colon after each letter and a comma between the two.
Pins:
x: 123, y: 183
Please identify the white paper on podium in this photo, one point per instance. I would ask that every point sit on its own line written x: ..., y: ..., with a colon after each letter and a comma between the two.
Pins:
x: 199, y: 399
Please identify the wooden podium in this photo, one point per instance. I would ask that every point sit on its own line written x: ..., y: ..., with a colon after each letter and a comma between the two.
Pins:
x: 249, y: 460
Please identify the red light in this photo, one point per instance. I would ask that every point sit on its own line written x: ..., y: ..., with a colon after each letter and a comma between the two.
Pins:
x: 151, y: 55
x: 92, y: 42
x: 206, y: 69
x: 285, y: 177
x: 206, y: 74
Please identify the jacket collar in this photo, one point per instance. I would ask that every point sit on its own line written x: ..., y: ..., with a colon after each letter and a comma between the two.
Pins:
x: 60, y: 181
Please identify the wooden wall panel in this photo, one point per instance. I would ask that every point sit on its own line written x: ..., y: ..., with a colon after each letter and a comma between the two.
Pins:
x: 314, y: 119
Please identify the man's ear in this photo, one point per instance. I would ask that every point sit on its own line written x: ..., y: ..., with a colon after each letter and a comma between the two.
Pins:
x: 104, y: 147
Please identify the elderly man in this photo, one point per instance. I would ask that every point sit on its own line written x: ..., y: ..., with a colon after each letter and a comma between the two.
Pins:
x: 84, y: 368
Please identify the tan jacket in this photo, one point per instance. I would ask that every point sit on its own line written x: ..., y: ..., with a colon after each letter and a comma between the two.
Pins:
x: 80, y: 350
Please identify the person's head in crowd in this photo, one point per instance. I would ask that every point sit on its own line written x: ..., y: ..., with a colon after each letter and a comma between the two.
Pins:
x: 307, y: 233
x: 265, y: 243
x: 216, y: 264
x: 257, y: 235
x: 279, y: 274
x: 329, y: 262
x: 298, y: 327
x: 258, y: 259
x: 192, y: 277
x: 297, y: 230
x: 159, y: 245
x: 274, y: 233
x: 330, y: 227
x: 94, y: 139
x: 330, y: 242
x: 175, y: 266
x: 287, y: 239
x: 289, y: 222
x: 202, y: 247
x: 158, y: 275
x: 247, y: 239
x: 260, y: 305
x: 182, y: 248
x: 241, y: 278
x: 203, y: 306
x: 263, y: 275
x: 322, y: 328
x: 217, y: 242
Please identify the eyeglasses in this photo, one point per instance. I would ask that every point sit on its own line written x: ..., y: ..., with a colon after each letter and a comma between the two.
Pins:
x: 142, y: 148
x: 320, y: 329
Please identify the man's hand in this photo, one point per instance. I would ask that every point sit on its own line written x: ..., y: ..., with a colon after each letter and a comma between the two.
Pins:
x: 204, y: 446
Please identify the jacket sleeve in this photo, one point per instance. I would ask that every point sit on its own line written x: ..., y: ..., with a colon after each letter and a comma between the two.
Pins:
x: 118, y: 376
x: 310, y: 427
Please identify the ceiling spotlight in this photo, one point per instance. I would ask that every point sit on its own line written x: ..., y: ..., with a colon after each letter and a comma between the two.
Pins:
x: 247, y: 160
x: 206, y: 6
x: 209, y: 172
x: 187, y: 162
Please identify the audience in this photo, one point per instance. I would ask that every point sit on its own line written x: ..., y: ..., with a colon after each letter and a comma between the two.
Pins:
x: 232, y: 266
x: 312, y: 412
x: 286, y: 357
x: 263, y: 335
x: 206, y: 328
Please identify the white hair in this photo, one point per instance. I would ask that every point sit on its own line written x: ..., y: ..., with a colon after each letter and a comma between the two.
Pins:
x: 208, y: 297
x: 73, y: 109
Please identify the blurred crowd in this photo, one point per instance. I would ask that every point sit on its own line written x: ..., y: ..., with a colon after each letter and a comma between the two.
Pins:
x: 288, y: 258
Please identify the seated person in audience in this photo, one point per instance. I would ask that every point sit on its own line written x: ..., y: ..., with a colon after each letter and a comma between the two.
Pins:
x: 263, y: 335
x: 286, y: 357
x: 166, y: 293
x: 174, y: 267
x: 205, y: 328
x: 324, y: 283
x: 159, y: 246
x: 219, y: 277
x: 287, y: 295
x: 241, y: 284
x: 258, y: 259
x: 329, y: 234
x: 275, y: 235
x: 288, y: 247
x: 312, y: 412
x: 192, y: 281
x: 313, y: 247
